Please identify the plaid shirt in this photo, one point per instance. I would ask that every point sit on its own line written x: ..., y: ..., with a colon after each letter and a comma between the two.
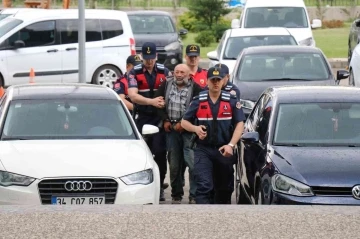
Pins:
x: 177, y: 101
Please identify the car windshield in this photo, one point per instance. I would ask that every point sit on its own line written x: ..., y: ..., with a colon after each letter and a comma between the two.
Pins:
x: 318, y: 124
x: 235, y: 45
x: 289, y: 17
x: 7, y: 24
x: 282, y: 66
x: 3, y: 16
x: 69, y: 119
x: 151, y: 24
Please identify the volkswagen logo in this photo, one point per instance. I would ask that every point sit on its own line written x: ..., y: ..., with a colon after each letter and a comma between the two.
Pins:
x: 78, y: 186
x: 356, y: 192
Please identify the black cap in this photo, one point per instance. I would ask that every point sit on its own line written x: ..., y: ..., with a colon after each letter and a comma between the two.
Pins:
x: 193, y: 50
x: 214, y: 73
x: 134, y: 60
x: 148, y: 51
x: 224, y: 69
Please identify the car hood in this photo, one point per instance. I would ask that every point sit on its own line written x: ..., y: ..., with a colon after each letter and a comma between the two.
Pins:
x: 58, y: 158
x: 300, y: 33
x: 252, y: 90
x: 319, y: 166
x: 161, y: 40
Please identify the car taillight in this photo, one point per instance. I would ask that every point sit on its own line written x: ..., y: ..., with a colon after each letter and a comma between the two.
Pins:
x: 132, y: 47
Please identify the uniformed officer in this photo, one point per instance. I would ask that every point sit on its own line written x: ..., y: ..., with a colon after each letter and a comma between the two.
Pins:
x: 121, y: 84
x: 228, y: 86
x: 219, y: 126
x: 144, y: 80
x: 192, y: 60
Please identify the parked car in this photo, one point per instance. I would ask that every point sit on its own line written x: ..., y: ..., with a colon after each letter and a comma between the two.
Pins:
x: 291, y: 14
x: 300, y: 146
x: 258, y: 68
x: 234, y: 41
x: 61, y: 143
x: 158, y: 27
x: 353, y: 70
x: 354, y: 38
x: 47, y: 41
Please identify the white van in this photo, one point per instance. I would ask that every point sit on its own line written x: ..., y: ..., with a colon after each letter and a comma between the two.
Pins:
x: 291, y: 14
x: 47, y: 41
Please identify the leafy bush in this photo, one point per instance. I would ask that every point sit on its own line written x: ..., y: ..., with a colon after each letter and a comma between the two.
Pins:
x: 204, y: 38
x: 332, y: 24
x: 188, y: 21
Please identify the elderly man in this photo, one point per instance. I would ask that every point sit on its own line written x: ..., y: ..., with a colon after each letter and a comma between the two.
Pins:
x: 178, y: 91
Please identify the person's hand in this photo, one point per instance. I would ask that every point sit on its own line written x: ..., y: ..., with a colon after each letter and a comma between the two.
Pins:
x: 178, y: 127
x: 226, y: 151
x: 158, y: 102
x: 167, y: 126
x: 200, y: 131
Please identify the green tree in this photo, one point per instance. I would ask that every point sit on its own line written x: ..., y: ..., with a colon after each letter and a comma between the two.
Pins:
x: 208, y: 12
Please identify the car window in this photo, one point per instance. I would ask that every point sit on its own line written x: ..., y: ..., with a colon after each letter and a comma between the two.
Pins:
x: 68, y: 30
x: 151, y: 24
x: 235, y: 45
x: 111, y: 28
x: 289, y: 17
x: 282, y: 65
x: 264, y: 119
x: 335, y: 123
x: 254, y: 115
x: 35, y: 35
x: 8, y: 24
x: 70, y: 119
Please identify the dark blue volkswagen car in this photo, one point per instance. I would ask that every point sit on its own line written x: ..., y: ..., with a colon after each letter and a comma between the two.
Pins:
x: 301, y: 145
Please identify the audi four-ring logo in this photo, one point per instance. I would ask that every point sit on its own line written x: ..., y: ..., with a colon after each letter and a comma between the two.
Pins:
x: 78, y: 186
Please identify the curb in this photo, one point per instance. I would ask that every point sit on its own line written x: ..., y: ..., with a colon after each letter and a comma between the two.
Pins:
x: 337, y: 63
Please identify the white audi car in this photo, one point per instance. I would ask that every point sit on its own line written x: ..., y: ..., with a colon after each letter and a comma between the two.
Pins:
x: 69, y: 144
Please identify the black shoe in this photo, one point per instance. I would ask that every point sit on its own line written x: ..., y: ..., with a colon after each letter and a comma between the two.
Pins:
x: 162, y: 196
x: 165, y: 185
x: 176, y: 201
x: 192, y: 201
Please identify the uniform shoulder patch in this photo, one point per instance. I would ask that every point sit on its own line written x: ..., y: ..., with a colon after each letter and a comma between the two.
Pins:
x: 160, y: 66
x: 238, y: 105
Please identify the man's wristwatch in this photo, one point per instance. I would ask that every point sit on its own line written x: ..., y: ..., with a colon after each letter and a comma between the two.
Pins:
x: 231, y: 145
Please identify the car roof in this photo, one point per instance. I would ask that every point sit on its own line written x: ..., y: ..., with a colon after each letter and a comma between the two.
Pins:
x: 266, y: 31
x: 281, y: 48
x: 16, y: 10
x: 147, y: 12
x: 274, y: 3
x: 65, y: 13
x: 60, y: 91
x: 303, y: 94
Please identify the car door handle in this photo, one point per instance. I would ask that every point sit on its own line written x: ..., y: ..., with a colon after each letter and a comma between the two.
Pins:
x: 71, y: 49
x: 53, y: 50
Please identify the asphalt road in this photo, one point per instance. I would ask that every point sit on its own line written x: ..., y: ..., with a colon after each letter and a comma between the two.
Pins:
x: 186, y: 188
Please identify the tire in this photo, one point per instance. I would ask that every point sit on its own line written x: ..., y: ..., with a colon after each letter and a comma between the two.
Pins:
x: 351, y: 78
x: 106, y: 75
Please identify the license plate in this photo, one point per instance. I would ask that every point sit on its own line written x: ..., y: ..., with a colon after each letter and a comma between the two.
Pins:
x: 77, y: 200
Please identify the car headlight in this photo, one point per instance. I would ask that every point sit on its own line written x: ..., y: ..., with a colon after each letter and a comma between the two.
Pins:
x: 248, y: 104
x: 143, y: 177
x: 283, y: 184
x: 172, y: 46
x: 306, y: 42
x: 11, y: 179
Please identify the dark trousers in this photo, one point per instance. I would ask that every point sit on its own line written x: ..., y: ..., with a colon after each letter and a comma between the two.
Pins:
x: 156, y: 143
x: 214, y: 176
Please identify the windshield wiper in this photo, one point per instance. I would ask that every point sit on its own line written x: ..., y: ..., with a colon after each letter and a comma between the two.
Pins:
x: 293, y: 79
x: 13, y: 138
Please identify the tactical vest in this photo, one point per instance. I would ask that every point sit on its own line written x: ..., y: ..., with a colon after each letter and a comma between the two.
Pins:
x: 144, y: 88
x: 219, y: 127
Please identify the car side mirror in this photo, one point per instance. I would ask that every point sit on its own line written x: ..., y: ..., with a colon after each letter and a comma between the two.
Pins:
x: 235, y: 23
x: 342, y: 74
x: 316, y: 23
x: 183, y: 32
x: 212, y: 55
x: 250, y: 137
x: 149, y: 129
x: 19, y: 44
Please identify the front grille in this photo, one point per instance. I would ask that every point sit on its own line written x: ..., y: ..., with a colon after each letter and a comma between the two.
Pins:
x: 332, y: 191
x: 56, y: 187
